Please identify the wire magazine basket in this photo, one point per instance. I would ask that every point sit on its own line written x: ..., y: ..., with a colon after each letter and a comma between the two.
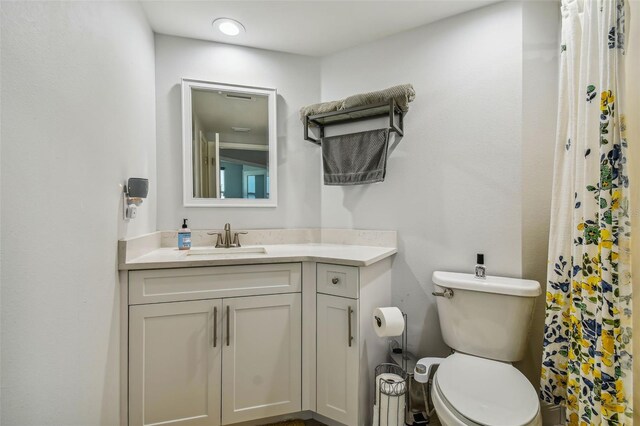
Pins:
x: 390, y: 398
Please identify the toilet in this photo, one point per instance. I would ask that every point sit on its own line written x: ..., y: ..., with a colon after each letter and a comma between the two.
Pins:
x: 485, y: 321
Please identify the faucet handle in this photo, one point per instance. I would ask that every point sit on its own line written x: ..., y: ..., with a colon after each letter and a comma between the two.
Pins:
x: 236, y: 238
x: 219, y: 242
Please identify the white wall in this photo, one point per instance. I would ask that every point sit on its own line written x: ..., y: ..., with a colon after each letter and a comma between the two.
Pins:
x: 77, y: 92
x: 541, y: 46
x: 297, y: 79
x: 453, y: 185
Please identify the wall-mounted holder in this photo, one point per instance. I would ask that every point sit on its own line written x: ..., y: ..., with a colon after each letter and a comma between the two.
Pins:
x: 364, y: 112
x: 135, y: 190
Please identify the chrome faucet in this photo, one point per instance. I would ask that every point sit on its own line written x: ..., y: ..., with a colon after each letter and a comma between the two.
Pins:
x: 225, y: 240
x: 227, y: 235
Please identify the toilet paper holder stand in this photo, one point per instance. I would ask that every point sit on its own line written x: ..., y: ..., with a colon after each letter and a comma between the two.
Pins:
x: 403, y: 341
x: 406, y: 361
x: 395, y: 390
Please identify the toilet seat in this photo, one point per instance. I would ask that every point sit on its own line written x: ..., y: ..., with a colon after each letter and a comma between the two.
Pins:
x: 470, y: 390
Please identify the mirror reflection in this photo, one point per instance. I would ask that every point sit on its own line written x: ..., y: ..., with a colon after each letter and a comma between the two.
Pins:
x: 230, y: 145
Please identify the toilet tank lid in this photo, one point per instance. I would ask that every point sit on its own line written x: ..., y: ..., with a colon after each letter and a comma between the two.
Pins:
x: 490, y: 284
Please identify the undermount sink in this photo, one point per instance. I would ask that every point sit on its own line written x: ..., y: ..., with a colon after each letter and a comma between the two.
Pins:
x: 213, y: 251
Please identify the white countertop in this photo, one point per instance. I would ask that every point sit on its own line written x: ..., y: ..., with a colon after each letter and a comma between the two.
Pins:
x: 353, y: 255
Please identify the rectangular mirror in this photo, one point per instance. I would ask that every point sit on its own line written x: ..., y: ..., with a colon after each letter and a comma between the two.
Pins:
x: 229, y: 145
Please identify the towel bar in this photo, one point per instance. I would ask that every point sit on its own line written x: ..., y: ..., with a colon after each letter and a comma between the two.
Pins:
x: 354, y: 114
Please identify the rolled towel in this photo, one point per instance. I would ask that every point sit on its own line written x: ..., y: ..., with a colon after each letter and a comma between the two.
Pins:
x: 402, y: 94
x: 320, y: 108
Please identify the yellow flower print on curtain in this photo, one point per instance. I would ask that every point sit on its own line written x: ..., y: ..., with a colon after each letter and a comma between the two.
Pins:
x: 606, y: 102
x: 587, y: 355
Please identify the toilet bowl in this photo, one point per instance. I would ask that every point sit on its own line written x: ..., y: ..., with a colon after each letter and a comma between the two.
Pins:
x: 485, y: 321
x: 469, y: 390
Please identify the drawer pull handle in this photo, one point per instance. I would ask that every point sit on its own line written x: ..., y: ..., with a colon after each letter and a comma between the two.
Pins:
x: 335, y: 280
x: 349, y: 312
x: 228, y: 321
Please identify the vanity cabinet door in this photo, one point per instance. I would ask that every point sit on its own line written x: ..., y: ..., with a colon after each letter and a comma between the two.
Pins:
x: 262, y: 352
x: 175, y: 363
x: 337, y: 358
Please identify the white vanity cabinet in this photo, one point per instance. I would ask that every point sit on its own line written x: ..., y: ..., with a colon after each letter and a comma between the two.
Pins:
x: 235, y: 344
x: 214, y: 361
x: 347, y: 348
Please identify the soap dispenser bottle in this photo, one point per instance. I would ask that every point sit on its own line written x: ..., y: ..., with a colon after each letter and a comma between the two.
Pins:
x: 184, y: 236
x: 481, y: 270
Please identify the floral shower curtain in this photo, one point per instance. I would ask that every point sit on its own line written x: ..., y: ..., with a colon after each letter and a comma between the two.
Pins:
x: 587, y: 357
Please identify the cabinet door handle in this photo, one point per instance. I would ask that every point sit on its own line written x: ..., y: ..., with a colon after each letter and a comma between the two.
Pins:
x: 228, y: 321
x: 335, y: 280
x: 215, y: 326
x: 349, y: 312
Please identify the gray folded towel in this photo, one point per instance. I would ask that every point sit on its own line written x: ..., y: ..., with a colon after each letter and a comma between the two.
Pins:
x: 355, y: 158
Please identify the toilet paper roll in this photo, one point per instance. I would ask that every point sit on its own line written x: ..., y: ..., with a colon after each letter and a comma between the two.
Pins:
x: 388, y: 322
x: 389, y: 406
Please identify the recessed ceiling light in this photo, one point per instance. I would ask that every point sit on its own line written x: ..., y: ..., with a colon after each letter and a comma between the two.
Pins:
x: 227, y: 26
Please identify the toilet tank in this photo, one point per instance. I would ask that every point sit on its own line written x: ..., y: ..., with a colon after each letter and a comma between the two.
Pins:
x: 488, y: 317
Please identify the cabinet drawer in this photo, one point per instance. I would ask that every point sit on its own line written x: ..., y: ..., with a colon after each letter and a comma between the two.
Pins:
x: 337, y: 280
x: 172, y: 285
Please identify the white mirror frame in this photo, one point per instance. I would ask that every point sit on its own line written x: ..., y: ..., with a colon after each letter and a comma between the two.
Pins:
x: 187, y: 162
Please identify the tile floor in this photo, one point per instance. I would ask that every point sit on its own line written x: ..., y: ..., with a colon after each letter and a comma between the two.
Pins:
x: 312, y: 422
x: 434, y: 422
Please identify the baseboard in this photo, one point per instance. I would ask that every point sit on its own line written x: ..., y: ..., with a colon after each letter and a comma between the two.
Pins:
x: 327, y: 421
x: 302, y: 415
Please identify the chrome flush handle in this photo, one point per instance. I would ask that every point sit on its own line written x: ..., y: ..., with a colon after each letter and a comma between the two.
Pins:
x: 447, y: 293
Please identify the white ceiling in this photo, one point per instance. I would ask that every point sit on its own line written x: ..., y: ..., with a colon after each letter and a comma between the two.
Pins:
x: 312, y: 27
